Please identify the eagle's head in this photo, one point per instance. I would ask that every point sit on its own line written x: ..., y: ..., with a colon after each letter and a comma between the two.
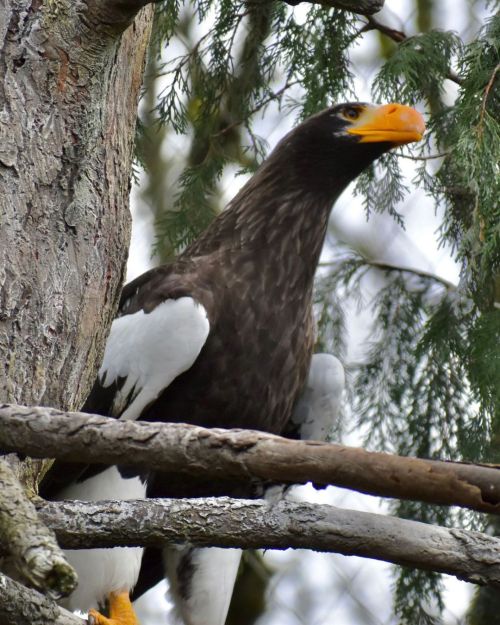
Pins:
x: 331, y: 148
x: 358, y: 122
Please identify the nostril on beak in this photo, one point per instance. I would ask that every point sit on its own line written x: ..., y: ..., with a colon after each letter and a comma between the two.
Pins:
x: 392, y: 109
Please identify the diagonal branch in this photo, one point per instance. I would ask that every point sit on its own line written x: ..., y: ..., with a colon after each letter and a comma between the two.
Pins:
x: 252, y: 524
x: 387, y: 266
x: 244, y: 455
x: 32, y: 548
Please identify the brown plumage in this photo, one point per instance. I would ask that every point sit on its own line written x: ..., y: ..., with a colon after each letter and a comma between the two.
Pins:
x: 252, y: 271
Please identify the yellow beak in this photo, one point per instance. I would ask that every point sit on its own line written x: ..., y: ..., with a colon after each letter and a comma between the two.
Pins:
x: 394, y: 123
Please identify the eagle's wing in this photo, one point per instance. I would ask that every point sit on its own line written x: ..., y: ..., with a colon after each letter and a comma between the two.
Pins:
x: 145, y: 351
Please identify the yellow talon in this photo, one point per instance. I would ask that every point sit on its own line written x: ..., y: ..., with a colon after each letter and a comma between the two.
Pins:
x: 121, y: 612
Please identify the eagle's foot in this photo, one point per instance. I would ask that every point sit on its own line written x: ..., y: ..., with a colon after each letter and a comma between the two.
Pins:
x: 121, y: 612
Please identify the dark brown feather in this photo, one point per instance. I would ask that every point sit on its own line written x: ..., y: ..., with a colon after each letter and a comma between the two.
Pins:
x: 253, y: 272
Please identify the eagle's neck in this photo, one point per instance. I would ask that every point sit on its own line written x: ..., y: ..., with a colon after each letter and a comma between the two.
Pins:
x: 288, y: 236
x: 276, y: 222
x: 281, y: 214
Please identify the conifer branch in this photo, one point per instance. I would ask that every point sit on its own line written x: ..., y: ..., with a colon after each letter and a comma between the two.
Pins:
x: 398, y: 36
x: 485, y: 96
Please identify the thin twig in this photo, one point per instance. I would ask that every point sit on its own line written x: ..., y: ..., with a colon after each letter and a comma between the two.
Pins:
x: 485, y: 98
x: 384, y: 265
x: 419, y: 272
x: 257, y: 108
x: 429, y: 157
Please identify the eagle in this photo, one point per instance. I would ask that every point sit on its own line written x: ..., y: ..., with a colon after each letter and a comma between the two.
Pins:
x: 223, y: 336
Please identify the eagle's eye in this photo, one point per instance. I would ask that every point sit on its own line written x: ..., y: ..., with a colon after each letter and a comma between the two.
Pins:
x: 351, y: 113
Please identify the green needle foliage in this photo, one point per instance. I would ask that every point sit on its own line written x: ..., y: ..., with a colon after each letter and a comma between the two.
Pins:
x: 251, y: 55
x: 429, y: 384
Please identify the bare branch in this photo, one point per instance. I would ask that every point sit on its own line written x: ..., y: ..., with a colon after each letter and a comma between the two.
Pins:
x: 22, y: 606
x: 396, y: 35
x: 32, y: 547
x: 243, y: 455
x: 385, y: 265
x: 124, y: 11
x: 225, y: 522
x: 363, y: 7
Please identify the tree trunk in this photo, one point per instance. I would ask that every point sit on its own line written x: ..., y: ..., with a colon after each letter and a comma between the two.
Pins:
x: 68, y: 104
x: 70, y: 74
x: 70, y: 78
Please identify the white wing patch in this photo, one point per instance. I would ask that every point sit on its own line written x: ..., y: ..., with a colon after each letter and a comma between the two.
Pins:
x: 150, y: 350
x: 318, y: 410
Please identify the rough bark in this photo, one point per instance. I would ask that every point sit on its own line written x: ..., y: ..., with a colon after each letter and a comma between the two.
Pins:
x: 252, y: 524
x: 70, y: 74
x: 68, y: 100
x: 32, y: 548
x: 22, y: 606
x: 245, y: 455
x: 69, y: 84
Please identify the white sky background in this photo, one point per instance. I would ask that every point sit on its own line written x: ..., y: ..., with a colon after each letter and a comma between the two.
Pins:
x: 323, y: 579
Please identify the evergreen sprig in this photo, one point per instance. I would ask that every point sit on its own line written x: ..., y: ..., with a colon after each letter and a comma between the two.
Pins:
x: 418, y: 68
x: 382, y: 187
x: 412, y: 393
x: 224, y: 79
x: 469, y: 180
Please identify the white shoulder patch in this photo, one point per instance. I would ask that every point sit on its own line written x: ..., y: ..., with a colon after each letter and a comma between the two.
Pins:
x: 318, y: 410
x: 150, y: 350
